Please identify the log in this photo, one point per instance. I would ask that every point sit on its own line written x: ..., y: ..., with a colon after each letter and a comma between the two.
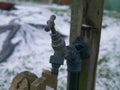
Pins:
x: 46, y: 82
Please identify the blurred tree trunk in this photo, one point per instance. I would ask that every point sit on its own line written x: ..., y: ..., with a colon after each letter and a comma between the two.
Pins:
x: 56, y: 1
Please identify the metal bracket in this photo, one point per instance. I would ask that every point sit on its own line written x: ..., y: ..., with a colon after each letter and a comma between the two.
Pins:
x: 87, y: 27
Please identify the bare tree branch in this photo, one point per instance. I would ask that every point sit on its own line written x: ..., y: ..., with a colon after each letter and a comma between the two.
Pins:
x: 8, y: 47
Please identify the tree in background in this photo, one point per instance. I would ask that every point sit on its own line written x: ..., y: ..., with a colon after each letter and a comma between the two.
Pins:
x: 63, y: 2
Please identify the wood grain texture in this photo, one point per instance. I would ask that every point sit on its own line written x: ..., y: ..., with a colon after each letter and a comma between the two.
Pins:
x: 76, y: 19
x: 47, y: 81
x: 93, y: 16
x: 87, y: 12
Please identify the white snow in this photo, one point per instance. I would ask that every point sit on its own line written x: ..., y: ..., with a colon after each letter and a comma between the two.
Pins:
x: 35, y: 47
x: 35, y: 44
x: 108, y: 72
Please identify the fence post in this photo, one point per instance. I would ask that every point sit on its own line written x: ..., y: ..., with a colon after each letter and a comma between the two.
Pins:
x: 87, y: 12
x: 46, y: 82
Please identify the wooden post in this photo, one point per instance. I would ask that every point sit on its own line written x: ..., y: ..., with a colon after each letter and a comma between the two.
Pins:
x: 76, y: 22
x: 87, y: 12
x: 46, y: 82
x: 76, y: 19
x: 22, y: 81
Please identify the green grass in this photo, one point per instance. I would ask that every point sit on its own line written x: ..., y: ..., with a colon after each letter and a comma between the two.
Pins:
x: 60, y: 12
x: 112, y: 14
x: 106, y: 74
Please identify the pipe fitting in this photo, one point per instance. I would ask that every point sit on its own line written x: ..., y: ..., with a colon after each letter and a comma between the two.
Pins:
x: 73, y: 53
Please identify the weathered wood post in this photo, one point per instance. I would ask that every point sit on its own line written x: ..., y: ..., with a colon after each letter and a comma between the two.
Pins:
x: 87, y: 12
x: 76, y: 22
x: 29, y: 81
x: 46, y: 82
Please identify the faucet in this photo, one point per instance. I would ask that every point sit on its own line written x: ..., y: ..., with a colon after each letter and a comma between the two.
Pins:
x: 73, y: 53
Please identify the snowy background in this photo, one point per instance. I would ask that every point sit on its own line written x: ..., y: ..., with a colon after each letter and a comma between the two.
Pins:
x: 34, y: 50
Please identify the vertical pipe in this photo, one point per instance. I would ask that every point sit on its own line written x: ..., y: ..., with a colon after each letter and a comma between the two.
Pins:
x: 74, y: 81
x: 76, y: 22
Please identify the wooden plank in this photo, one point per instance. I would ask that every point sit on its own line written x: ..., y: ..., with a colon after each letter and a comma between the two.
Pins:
x: 93, y: 16
x: 22, y: 81
x: 46, y: 82
x: 87, y: 12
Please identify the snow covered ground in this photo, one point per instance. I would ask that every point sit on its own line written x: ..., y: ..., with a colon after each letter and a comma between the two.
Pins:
x: 35, y: 48
x: 108, y: 72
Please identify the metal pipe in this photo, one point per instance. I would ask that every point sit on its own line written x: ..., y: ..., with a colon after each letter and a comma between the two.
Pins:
x: 73, y: 84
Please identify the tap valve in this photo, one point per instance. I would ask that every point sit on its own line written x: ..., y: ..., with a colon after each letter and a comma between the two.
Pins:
x: 51, y: 25
x: 73, y: 53
x: 58, y: 45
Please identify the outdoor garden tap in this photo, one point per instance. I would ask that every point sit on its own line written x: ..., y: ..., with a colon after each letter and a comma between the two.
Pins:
x: 73, y: 53
x: 58, y: 44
